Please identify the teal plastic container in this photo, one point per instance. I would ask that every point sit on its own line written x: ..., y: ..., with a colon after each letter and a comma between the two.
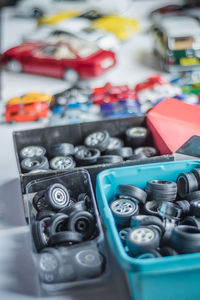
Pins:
x: 165, y: 278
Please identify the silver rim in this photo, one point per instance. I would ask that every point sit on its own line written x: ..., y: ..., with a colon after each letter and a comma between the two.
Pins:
x: 123, y: 207
x: 62, y: 163
x: 14, y: 66
x: 31, y: 163
x: 48, y: 262
x: 114, y: 144
x: 142, y: 235
x: 31, y: 151
x: 59, y: 196
x: 148, y: 151
x: 94, y: 138
x: 88, y: 258
x: 71, y: 76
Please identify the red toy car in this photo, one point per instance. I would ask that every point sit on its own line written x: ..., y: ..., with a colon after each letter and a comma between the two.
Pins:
x: 150, y: 83
x: 71, y: 60
x: 26, y: 112
x: 110, y: 93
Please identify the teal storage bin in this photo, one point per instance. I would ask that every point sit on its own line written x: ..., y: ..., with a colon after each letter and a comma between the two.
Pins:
x: 165, y: 278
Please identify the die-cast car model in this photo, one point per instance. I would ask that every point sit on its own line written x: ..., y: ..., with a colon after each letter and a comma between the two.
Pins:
x: 122, y: 27
x: 77, y: 27
x: 26, y: 112
x: 70, y: 61
x: 30, y: 98
x: 52, y: 19
x: 38, y: 8
x: 177, y: 43
x: 112, y: 93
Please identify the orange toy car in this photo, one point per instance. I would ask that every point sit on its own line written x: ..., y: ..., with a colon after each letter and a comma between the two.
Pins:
x: 26, y: 112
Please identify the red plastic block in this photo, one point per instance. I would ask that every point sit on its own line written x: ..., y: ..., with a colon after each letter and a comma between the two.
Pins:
x: 172, y: 122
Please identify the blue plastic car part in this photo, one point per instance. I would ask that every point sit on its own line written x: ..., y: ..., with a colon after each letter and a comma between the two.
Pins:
x: 163, y: 277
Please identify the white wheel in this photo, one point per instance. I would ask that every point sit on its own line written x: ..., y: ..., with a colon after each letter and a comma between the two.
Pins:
x: 71, y: 76
x: 14, y: 66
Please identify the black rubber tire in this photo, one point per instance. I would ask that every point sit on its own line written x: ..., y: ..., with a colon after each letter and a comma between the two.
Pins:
x: 58, y: 223
x: 44, y: 214
x: 86, y: 156
x: 151, y: 208
x: 191, y: 221
x: 186, y: 239
x: 136, y: 246
x: 82, y: 222
x: 150, y: 254
x: 161, y: 190
x: 195, y: 208
x: 193, y: 196
x: 78, y: 206
x: 35, y: 163
x: 132, y: 191
x: 40, y: 239
x: 114, y: 143
x: 145, y: 220
x: 109, y: 159
x: 137, y: 156
x: 136, y: 136
x: 57, y: 196
x: 169, y: 210
x: 167, y: 251
x: 185, y: 206
x: 124, y: 152
x: 61, y: 149
x: 65, y: 238
x: 98, y: 144
x: 39, y: 202
x: 196, y: 173
x: 88, y: 262
x: 186, y: 183
x: 84, y: 197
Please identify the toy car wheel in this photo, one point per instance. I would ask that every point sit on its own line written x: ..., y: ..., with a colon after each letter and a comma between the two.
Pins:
x: 124, y: 152
x: 187, y: 183
x: 49, y: 264
x: 35, y: 163
x: 65, y: 238
x: 123, y: 210
x: 62, y: 163
x: 61, y: 149
x: 83, y: 222
x: 186, y: 239
x: 109, y: 159
x: 58, y: 223
x: 85, y: 156
x: 32, y: 151
x: 136, y: 136
x: 57, y: 196
x: 132, y: 191
x: 151, y: 208
x: 150, y: 254
x: 71, y: 209
x: 71, y: 76
x: 115, y: 143
x: 142, y: 239
x: 44, y: 214
x: 37, y: 13
x: 195, y: 208
x: 14, y: 66
x: 39, y: 233
x: 89, y: 263
x: 191, y: 221
x: 98, y: 139
x: 39, y: 202
x: 146, y: 151
x: 167, y: 251
x: 144, y: 220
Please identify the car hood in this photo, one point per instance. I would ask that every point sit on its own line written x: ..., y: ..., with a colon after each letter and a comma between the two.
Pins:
x: 24, y: 48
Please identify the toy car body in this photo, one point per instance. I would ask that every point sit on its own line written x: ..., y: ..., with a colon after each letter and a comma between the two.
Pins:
x: 69, y: 61
x: 38, y: 8
x: 177, y: 43
x: 72, y: 97
x: 30, y: 98
x: 26, y: 112
x: 77, y: 27
x: 122, y: 27
x: 110, y: 94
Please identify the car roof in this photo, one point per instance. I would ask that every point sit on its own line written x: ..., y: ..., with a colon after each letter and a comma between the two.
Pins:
x: 180, y: 26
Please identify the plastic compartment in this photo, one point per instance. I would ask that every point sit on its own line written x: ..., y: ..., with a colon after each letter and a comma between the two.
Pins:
x: 76, y: 182
x: 167, y: 278
x: 76, y: 134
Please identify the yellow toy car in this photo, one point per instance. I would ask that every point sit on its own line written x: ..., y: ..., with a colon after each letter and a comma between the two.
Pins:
x: 55, y: 18
x: 122, y: 27
x: 30, y: 98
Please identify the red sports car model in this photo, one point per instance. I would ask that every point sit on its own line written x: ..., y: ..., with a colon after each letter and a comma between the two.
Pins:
x: 112, y: 93
x: 150, y: 83
x: 26, y: 112
x: 68, y: 60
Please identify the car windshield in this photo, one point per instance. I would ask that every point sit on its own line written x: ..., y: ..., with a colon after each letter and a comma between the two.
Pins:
x: 82, y: 48
x: 181, y: 43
